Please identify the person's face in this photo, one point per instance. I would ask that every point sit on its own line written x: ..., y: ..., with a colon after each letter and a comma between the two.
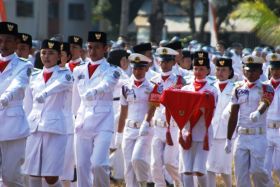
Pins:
x: 275, y: 73
x: 186, y: 63
x: 23, y: 50
x: 200, y: 72
x: 220, y: 48
x: 63, y: 59
x: 139, y: 72
x: 253, y: 74
x: 222, y: 73
x: 8, y: 44
x: 179, y: 57
x: 96, y: 50
x: 166, y: 66
x: 124, y: 63
x: 49, y: 57
x: 75, y: 51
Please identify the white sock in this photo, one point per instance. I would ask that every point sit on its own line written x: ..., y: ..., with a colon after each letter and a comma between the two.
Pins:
x: 35, y: 181
x: 211, y: 179
x: 202, y: 181
x: 227, y: 180
x: 57, y: 184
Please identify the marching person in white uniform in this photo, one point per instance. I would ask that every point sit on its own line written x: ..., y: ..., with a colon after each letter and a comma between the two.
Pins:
x: 165, y: 156
x: 14, y: 76
x: 218, y: 161
x: 250, y: 100
x: 94, y: 123
x: 45, y: 147
x: 135, y: 116
x: 24, y: 46
x: 193, y: 161
x: 272, y: 162
x: 118, y: 57
x: 76, y: 44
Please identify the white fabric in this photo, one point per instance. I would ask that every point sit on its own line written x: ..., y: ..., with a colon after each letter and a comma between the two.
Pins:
x: 12, y: 158
x: 69, y: 159
x: 44, y: 155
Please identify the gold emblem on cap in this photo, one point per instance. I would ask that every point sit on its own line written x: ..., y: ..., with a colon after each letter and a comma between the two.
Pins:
x: 274, y: 57
x: 164, y: 51
x: 61, y: 47
x: 137, y: 59
x: 97, y: 36
x: 200, y: 55
x: 50, y: 45
x: 76, y: 39
x: 24, y: 37
x: 200, y: 62
x: 10, y: 27
x: 250, y: 60
x: 222, y: 62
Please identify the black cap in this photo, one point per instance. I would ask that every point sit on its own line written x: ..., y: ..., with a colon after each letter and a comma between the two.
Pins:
x: 186, y: 53
x: 142, y: 47
x: 51, y: 44
x: 65, y: 47
x: 8, y: 28
x: 174, y: 45
x: 200, y: 54
x: 201, y: 62
x: 274, y: 60
x: 224, y: 62
x: 97, y: 36
x: 115, y: 56
x: 25, y: 39
x: 75, y: 40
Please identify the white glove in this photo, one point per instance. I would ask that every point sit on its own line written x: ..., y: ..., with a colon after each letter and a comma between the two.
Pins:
x: 4, y: 100
x: 144, y: 128
x: 90, y: 95
x: 41, y: 98
x: 118, y: 139
x: 255, y: 116
x: 228, y: 146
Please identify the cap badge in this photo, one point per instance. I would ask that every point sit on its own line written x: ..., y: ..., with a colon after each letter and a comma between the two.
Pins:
x: 50, y: 45
x: 76, y: 39
x: 274, y: 57
x: 24, y: 37
x: 137, y: 59
x: 200, y: 55
x: 164, y: 51
x: 10, y: 27
x: 222, y: 62
x: 97, y: 36
x: 250, y: 60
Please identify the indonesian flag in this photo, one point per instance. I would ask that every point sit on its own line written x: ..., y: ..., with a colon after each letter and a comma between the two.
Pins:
x: 212, y: 16
x: 3, y: 11
x: 186, y: 106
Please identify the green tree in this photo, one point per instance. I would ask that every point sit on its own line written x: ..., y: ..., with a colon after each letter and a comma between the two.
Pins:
x: 267, y: 23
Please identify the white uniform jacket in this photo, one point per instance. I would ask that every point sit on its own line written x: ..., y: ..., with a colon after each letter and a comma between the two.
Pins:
x: 96, y: 115
x: 49, y: 116
x: 222, y: 112
x: 13, y: 81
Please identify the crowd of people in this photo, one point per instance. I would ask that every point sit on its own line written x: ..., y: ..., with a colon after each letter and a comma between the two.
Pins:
x: 82, y: 113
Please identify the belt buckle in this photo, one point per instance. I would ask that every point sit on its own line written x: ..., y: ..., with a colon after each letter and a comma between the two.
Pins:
x: 135, y: 125
x: 247, y: 131
x: 260, y: 130
x: 274, y: 125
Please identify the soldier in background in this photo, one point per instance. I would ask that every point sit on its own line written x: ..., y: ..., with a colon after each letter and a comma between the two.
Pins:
x: 76, y: 44
x: 24, y: 46
x: 14, y: 129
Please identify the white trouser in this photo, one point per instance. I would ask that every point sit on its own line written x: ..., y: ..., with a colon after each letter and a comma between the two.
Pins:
x: 273, y: 153
x: 12, y: 157
x: 69, y: 160
x: 249, y: 155
x: 164, y: 155
x: 92, y: 156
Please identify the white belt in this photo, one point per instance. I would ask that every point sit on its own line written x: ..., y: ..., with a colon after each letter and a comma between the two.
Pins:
x: 161, y: 123
x: 274, y: 125
x: 251, y: 131
x: 133, y: 124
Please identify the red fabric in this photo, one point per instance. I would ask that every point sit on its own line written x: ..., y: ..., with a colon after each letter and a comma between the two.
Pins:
x: 184, y: 106
x: 222, y: 86
x: 155, y: 95
x: 180, y: 82
x: 47, y: 76
x: 198, y: 85
x: 250, y: 85
x: 275, y: 83
x: 72, y: 66
x: 91, y: 69
x: 268, y: 93
x: 3, y: 65
x: 164, y: 77
x: 138, y: 83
